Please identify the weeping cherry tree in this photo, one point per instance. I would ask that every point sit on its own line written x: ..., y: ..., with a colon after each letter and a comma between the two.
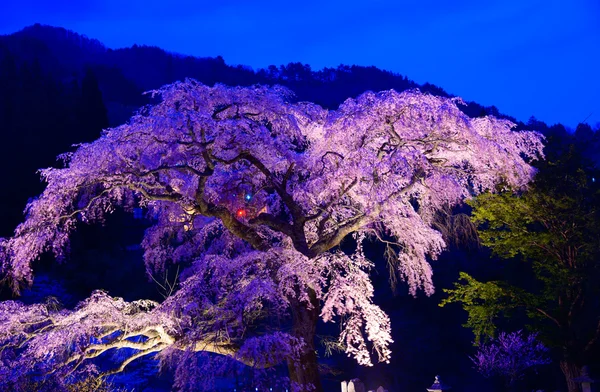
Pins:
x: 251, y: 195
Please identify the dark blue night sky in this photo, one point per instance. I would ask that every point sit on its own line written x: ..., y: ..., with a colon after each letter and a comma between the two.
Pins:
x: 528, y: 58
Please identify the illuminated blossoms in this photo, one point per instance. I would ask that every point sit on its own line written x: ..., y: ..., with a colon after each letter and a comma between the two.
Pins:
x: 379, y: 167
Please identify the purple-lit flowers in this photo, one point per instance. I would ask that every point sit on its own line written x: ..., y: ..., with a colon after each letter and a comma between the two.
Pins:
x: 510, y: 355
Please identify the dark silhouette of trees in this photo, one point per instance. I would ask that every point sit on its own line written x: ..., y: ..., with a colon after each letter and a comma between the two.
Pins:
x: 554, y: 229
x: 40, y: 115
x: 92, y: 114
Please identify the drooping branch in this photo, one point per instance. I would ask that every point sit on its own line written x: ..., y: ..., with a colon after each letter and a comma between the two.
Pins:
x: 383, y: 162
x: 156, y: 348
x: 135, y: 326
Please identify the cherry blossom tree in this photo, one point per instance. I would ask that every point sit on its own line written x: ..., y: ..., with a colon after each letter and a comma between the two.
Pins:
x: 251, y: 195
x: 510, y: 355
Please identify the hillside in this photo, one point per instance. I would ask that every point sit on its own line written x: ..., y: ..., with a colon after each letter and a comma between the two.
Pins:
x: 58, y: 88
x: 123, y: 74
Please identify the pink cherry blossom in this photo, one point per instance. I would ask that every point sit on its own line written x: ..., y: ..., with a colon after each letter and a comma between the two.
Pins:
x: 253, y: 194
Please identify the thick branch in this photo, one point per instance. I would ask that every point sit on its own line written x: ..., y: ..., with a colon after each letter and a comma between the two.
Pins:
x: 290, y: 203
x: 273, y: 222
x: 164, y: 168
x: 333, y: 239
x: 228, y: 219
x: 154, y: 349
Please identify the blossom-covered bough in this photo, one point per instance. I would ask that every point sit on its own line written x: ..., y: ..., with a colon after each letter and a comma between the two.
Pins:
x: 252, y: 194
x: 510, y: 355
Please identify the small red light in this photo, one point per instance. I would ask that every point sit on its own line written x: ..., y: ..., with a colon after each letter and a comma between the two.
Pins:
x: 241, y: 212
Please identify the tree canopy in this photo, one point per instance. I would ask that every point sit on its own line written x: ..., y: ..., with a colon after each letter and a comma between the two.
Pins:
x: 510, y: 355
x: 252, y: 195
x: 553, y: 228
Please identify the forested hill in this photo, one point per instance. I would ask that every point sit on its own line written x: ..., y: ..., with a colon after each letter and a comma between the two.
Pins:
x: 123, y: 74
x: 58, y: 88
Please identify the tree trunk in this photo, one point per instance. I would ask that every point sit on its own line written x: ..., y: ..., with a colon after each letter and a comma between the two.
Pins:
x: 571, y: 370
x: 304, y: 371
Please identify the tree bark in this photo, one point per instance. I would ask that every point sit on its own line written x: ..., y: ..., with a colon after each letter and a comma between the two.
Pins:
x: 571, y: 370
x: 304, y: 371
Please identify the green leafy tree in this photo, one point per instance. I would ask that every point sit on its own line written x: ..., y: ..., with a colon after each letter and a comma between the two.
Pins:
x: 553, y: 228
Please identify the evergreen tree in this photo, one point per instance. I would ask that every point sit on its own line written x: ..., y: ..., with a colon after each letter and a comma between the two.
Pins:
x: 554, y: 228
x: 93, y: 116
